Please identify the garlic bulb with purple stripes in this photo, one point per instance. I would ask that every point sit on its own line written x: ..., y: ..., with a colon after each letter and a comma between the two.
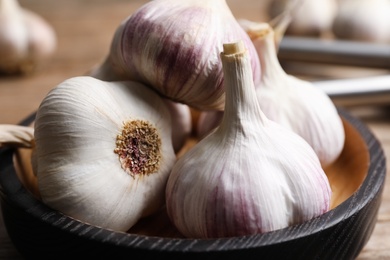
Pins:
x: 173, y: 46
x: 250, y: 175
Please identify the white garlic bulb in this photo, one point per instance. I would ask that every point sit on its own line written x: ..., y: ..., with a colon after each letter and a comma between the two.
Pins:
x: 297, y: 104
x: 103, y: 151
x: 309, y: 18
x: 173, y: 46
x: 363, y: 20
x: 250, y: 175
x: 26, y: 39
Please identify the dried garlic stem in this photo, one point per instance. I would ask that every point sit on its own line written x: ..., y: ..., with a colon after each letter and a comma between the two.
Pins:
x: 139, y: 148
x: 16, y: 136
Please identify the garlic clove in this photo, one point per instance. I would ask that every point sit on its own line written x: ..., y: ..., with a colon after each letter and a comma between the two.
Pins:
x: 363, y: 20
x: 250, y: 175
x: 103, y: 151
x: 26, y: 39
x: 173, y: 46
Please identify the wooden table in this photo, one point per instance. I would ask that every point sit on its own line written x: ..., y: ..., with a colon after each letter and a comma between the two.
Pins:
x: 84, y: 30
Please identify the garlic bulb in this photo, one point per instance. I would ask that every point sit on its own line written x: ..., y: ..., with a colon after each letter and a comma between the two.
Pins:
x: 250, y: 175
x: 309, y: 18
x: 103, y: 151
x: 363, y: 20
x: 173, y: 46
x: 297, y: 104
x: 26, y: 40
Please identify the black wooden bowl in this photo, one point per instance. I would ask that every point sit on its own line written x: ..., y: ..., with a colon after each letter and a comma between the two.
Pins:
x: 357, y: 181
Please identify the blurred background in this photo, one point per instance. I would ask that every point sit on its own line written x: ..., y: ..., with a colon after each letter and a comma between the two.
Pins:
x: 84, y: 29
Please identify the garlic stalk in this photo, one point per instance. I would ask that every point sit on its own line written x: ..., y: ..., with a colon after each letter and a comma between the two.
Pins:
x: 279, y: 23
x: 363, y: 20
x: 26, y: 39
x: 103, y: 151
x: 173, y: 46
x: 208, y: 120
x: 250, y: 175
x: 309, y: 18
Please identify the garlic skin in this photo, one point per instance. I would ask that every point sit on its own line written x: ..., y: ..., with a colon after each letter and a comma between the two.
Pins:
x: 363, y: 20
x: 103, y: 151
x: 181, y: 123
x: 207, y: 122
x: 26, y: 39
x: 309, y: 18
x: 297, y: 104
x: 173, y: 46
x: 248, y: 176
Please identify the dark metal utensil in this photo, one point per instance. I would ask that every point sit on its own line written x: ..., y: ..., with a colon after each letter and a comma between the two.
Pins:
x: 373, y: 90
x: 338, y: 52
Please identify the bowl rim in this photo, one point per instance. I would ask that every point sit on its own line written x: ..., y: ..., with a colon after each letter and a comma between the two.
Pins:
x: 12, y: 188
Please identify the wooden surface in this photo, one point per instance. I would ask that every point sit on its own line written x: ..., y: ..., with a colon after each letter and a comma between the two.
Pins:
x: 84, y: 30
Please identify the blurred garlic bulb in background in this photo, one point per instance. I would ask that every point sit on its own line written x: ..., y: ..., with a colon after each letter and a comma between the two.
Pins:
x: 26, y: 39
x: 173, y: 46
x: 309, y: 17
x: 363, y: 20
x: 103, y: 151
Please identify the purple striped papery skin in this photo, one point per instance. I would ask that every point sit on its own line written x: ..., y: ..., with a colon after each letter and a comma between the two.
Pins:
x: 241, y: 222
x: 174, y: 47
x: 256, y: 190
